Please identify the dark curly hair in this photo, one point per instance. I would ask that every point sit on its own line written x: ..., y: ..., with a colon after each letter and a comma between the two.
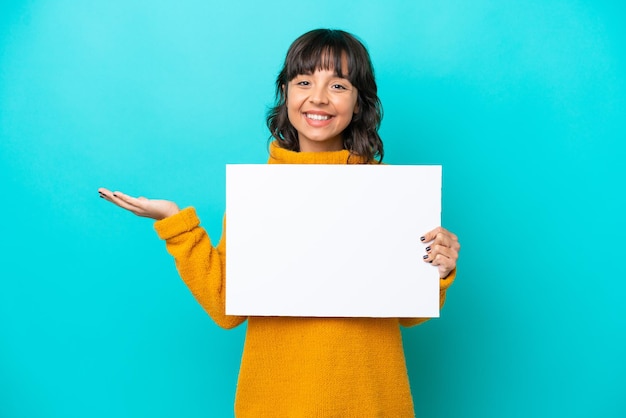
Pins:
x: 323, y: 49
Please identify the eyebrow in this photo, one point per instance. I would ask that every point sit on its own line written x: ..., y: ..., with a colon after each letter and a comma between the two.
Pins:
x: 344, y: 76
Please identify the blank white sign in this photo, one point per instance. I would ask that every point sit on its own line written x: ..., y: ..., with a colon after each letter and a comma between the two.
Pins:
x: 331, y: 240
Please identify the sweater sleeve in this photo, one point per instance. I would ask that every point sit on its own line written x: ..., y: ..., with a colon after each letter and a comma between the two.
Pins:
x: 200, y: 265
x: 444, y: 284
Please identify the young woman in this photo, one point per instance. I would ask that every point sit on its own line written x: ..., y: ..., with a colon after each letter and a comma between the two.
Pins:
x: 327, y: 112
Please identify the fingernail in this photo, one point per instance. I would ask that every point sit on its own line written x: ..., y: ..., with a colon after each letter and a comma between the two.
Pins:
x: 426, y: 256
x: 422, y: 238
x: 427, y: 248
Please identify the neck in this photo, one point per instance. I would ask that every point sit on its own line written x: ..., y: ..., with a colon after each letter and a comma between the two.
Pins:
x: 324, y: 146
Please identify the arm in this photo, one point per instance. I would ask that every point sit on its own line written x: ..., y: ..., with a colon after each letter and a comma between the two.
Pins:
x: 200, y: 265
x: 442, y: 251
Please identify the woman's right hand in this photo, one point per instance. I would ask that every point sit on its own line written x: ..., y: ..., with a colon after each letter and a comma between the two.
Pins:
x: 140, y: 206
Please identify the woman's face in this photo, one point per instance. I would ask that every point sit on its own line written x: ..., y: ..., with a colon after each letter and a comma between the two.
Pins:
x: 320, y: 107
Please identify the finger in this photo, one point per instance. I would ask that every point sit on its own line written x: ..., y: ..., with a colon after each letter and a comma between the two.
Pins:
x: 105, y: 194
x: 122, y: 200
x: 442, y: 261
x: 126, y: 198
x: 441, y: 236
x: 447, y: 240
x: 123, y: 204
x: 111, y: 195
x: 137, y: 202
x: 430, y: 235
x: 434, y: 250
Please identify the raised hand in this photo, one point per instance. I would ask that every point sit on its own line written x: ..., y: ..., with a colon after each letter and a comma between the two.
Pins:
x: 148, y: 208
x: 442, y: 250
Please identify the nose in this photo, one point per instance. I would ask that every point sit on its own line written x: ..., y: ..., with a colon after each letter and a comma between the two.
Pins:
x: 318, y: 95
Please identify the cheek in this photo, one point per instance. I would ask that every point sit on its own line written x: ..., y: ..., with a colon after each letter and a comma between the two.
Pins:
x: 355, y: 104
x: 289, y: 104
x: 351, y: 111
x: 292, y: 115
x: 351, y: 106
x: 292, y: 101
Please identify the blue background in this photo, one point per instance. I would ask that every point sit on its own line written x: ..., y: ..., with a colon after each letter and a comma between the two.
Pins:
x: 522, y: 102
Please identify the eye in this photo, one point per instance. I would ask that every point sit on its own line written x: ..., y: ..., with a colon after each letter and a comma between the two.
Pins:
x: 302, y: 83
x: 339, y: 86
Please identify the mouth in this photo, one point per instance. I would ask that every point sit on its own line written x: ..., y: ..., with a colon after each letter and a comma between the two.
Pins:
x: 316, y: 116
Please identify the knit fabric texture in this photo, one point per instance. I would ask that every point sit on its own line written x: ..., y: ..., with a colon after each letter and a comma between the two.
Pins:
x: 296, y: 366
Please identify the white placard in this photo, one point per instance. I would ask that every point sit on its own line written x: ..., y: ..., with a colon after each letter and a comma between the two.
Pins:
x: 331, y: 240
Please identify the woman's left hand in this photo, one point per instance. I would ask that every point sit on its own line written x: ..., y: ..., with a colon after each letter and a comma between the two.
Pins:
x: 442, y: 250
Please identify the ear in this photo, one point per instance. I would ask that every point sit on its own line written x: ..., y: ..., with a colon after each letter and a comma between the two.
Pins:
x: 356, y: 107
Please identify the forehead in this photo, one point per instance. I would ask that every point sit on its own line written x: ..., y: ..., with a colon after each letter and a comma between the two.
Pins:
x: 330, y: 59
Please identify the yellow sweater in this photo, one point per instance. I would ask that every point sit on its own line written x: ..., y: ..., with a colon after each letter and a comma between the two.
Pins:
x: 299, y: 367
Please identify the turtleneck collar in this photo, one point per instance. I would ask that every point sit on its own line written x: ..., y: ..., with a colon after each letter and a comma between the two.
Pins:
x: 280, y: 155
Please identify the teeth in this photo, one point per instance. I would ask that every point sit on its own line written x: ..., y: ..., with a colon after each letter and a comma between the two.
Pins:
x: 317, y: 117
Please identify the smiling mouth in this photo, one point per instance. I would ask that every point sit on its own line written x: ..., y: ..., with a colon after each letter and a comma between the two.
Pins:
x: 317, y: 117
